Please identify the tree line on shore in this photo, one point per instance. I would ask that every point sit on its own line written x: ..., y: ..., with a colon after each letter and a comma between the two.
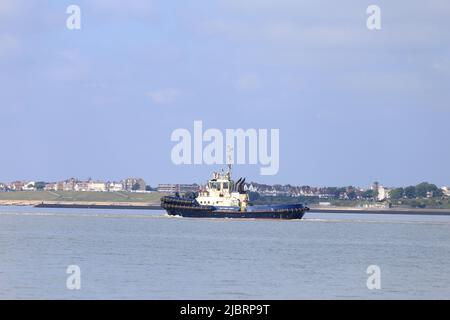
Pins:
x: 422, y: 190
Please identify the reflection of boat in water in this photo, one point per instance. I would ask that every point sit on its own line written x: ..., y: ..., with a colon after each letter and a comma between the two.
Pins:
x: 225, y: 198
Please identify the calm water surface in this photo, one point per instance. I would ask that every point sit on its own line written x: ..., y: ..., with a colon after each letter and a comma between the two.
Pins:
x: 148, y: 255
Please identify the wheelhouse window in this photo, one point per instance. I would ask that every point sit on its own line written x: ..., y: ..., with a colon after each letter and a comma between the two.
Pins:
x: 214, y: 185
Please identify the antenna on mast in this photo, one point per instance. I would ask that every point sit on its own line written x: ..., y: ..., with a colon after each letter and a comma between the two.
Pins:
x: 229, y: 158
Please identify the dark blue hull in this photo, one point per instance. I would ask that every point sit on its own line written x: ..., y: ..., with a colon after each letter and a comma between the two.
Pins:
x: 235, y: 215
x: 191, y: 209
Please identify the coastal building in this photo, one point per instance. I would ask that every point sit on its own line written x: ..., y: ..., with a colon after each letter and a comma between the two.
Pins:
x: 29, y: 186
x: 446, y: 191
x: 250, y: 187
x: 134, y: 184
x: 114, y: 186
x: 181, y: 188
x: 189, y: 187
x: 16, y: 185
x: 306, y: 191
x: 3, y: 187
x: 52, y: 186
x: 69, y: 184
x: 81, y: 186
x: 322, y: 195
x: 96, y: 186
x: 269, y: 192
x: 167, y: 188
x: 383, y: 193
x: 59, y: 186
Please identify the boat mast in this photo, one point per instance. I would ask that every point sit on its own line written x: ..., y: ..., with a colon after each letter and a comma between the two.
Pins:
x: 229, y: 159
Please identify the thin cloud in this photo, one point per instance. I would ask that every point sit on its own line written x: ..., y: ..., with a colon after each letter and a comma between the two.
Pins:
x: 124, y: 7
x: 164, y: 96
x: 9, y: 45
x: 248, y: 81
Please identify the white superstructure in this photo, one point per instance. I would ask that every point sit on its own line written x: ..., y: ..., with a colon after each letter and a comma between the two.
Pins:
x: 222, y: 191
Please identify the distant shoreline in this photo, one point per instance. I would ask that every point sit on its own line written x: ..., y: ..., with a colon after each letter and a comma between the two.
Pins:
x: 84, y: 199
x: 123, y: 206
x: 408, y: 211
x: 82, y: 204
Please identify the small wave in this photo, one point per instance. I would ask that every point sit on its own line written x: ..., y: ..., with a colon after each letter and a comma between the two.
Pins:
x: 170, y: 216
x: 89, y: 215
x: 29, y: 214
x: 344, y: 220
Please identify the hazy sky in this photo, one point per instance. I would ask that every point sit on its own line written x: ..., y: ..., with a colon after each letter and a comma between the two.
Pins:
x: 352, y: 105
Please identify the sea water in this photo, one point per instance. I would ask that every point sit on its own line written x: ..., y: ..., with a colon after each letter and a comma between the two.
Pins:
x: 135, y: 254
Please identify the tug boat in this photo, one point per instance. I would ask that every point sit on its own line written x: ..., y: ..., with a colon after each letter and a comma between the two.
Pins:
x: 224, y: 198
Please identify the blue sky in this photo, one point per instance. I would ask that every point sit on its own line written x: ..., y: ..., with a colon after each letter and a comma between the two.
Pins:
x: 352, y: 105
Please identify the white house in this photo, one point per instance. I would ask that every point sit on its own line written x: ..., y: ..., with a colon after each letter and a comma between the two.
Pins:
x: 52, y: 186
x: 250, y: 188
x: 96, y: 186
x: 383, y: 193
x: 115, y: 186
x: 81, y: 186
x: 29, y: 186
